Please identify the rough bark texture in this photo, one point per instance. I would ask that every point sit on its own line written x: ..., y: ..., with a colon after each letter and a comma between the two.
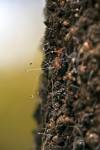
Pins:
x: 70, y: 88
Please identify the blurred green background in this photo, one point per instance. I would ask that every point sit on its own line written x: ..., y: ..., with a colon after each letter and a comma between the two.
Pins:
x: 21, y: 32
x: 18, y: 100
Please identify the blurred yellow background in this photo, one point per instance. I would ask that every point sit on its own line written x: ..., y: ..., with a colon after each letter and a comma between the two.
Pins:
x: 21, y: 31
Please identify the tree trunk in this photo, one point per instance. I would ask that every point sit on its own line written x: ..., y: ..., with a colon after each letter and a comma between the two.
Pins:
x: 70, y: 88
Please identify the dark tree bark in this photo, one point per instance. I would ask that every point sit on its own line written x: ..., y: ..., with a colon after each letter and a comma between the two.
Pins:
x: 70, y: 88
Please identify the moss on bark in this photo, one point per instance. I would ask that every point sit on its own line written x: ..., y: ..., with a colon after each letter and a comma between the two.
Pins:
x: 70, y: 88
